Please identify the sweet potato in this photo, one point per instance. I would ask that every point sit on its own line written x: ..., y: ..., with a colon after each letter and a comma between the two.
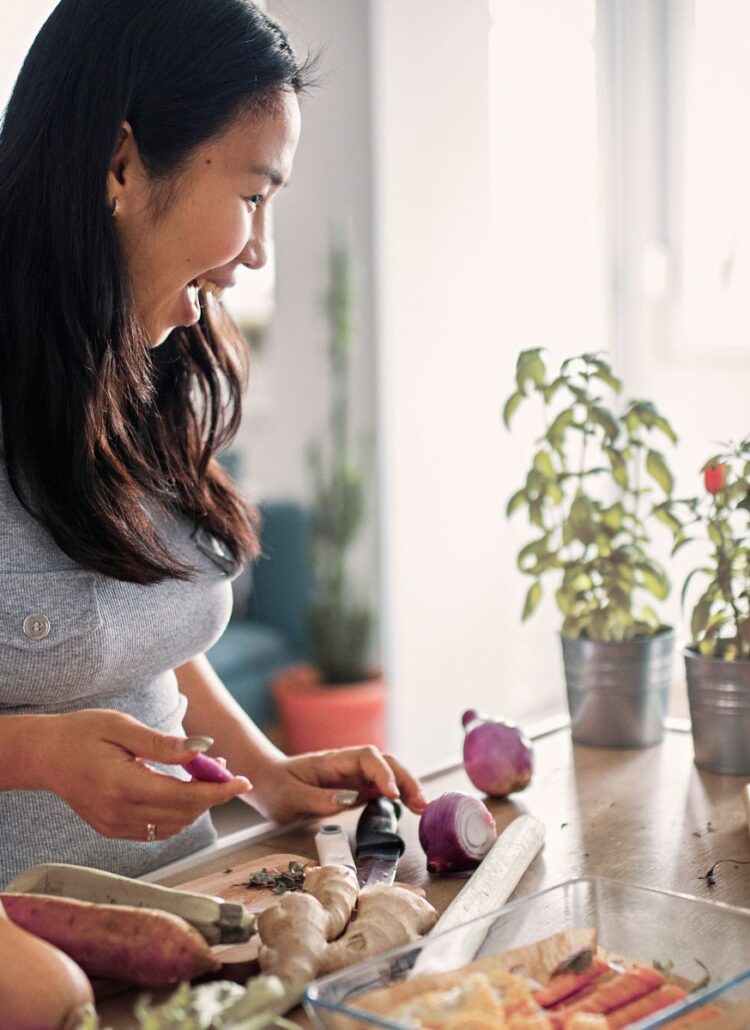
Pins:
x: 138, y: 945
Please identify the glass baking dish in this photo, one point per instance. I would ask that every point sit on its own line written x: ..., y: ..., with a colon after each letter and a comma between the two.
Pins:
x: 693, y: 938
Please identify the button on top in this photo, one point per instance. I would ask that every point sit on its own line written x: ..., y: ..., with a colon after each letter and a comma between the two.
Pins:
x: 36, y: 626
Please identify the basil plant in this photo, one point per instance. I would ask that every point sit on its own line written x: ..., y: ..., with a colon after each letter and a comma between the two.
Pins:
x: 597, y: 478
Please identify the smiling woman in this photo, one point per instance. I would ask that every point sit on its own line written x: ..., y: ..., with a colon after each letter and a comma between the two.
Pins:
x: 142, y: 145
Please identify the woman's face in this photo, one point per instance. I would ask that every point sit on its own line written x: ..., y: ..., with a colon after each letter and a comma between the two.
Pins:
x: 215, y: 221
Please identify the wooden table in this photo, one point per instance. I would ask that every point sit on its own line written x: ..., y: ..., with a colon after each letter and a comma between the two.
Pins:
x: 649, y: 817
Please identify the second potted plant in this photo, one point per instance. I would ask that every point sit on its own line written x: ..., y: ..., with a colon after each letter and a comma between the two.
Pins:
x: 587, y: 493
x: 717, y: 659
x: 338, y: 699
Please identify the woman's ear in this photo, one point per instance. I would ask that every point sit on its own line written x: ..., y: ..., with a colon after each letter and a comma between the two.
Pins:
x: 125, y: 170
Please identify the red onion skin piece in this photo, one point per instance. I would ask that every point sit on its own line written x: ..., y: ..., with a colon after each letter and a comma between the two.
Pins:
x: 439, y: 839
x: 205, y: 768
x: 497, y: 756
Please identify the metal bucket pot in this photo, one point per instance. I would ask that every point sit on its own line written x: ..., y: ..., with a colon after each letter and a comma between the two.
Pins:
x: 719, y: 696
x: 618, y: 691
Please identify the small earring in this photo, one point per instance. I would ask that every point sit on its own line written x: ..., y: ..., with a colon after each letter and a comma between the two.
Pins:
x: 113, y: 209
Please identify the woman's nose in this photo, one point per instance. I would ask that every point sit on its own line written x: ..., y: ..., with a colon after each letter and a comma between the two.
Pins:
x: 255, y: 252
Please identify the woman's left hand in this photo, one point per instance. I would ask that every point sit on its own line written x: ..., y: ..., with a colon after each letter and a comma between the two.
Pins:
x: 325, y: 782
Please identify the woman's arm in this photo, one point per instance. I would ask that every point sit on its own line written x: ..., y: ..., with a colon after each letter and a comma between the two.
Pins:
x: 93, y: 760
x: 286, y: 788
x: 22, y: 752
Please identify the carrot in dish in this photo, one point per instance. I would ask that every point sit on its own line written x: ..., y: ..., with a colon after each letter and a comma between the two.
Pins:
x: 642, y: 1007
x: 612, y: 994
x: 564, y: 985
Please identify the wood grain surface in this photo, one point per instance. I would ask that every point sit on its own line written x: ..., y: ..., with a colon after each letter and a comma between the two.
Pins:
x: 232, y: 883
x: 648, y: 817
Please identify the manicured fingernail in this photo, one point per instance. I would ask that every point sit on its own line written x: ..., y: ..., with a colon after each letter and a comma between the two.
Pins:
x: 345, y: 797
x: 244, y: 780
x: 199, y: 744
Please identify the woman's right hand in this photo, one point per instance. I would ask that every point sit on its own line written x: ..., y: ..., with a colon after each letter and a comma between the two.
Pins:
x: 94, y: 760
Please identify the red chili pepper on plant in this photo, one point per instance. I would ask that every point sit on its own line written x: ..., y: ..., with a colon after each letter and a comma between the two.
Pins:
x: 714, y: 478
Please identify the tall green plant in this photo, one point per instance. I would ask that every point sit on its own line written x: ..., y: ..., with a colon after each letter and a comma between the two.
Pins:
x: 587, y: 492
x: 340, y: 622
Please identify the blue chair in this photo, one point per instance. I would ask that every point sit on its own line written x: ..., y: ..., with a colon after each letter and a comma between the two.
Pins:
x: 268, y: 628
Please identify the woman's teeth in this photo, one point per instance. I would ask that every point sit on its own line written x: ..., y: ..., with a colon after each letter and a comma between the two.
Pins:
x: 209, y: 287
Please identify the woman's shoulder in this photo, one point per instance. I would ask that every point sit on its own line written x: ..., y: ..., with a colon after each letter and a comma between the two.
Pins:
x: 24, y: 541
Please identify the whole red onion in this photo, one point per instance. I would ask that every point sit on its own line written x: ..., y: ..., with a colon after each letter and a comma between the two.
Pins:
x: 497, y: 755
x: 456, y: 831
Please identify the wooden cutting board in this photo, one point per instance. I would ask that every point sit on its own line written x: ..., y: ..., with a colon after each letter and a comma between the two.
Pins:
x: 231, y: 884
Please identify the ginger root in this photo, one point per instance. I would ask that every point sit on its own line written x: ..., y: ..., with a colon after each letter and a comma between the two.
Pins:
x: 295, y: 931
x: 386, y: 918
x: 336, y: 888
x: 293, y: 935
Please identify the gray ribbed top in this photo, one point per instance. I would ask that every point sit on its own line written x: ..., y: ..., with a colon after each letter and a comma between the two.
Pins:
x: 111, y: 644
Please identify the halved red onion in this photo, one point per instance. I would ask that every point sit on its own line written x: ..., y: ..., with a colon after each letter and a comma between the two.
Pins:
x: 456, y: 831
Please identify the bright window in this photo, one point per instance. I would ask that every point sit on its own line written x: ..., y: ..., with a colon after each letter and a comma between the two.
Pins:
x: 544, y: 175
x: 716, y: 211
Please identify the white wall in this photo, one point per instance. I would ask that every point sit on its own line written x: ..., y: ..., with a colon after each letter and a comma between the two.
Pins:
x: 331, y: 183
x: 19, y: 24
x: 453, y: 600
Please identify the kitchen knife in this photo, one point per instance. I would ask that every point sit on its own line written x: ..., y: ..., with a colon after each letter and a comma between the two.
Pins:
x: 378, y: 846
x: 490, y: 886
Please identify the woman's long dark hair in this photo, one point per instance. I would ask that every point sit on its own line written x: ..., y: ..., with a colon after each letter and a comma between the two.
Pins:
x: 97, y: 427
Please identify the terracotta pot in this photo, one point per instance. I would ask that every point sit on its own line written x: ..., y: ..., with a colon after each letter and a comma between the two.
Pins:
x: 315, y: 716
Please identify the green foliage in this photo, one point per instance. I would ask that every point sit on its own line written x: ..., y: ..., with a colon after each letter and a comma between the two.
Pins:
x: 720, y: 617
x: 340, y: 623
x: 590, y: 493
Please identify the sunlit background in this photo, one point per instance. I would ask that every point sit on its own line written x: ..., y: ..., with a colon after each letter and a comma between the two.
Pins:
x: 570, y: 174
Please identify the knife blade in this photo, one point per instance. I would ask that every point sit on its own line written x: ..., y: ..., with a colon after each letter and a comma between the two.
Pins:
x: 378, y: 846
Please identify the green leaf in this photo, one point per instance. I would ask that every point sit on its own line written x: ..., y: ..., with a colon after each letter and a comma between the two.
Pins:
x: 536, y: 549
x: 699, y: 620
x: 556, y: 432
x: 655, y: 581
x: 533, y: 597
x: 604, y: 418
x: 543, y: 464
x: 517, y: 501
x: 511, y: 406
x: 656, y: 467
x: 661, y: 423
x: 619, y: 468
x: 582, y: 521
x: 550, y: 391
x: 555, y: 492
x: 605, y: 373
x: 572, y: 626
x: 530, y: 366
x: 688, y: 580
x: 668, y: 518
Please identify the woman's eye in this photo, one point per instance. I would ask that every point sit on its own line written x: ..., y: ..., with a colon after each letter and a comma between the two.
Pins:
x: 255, y: 199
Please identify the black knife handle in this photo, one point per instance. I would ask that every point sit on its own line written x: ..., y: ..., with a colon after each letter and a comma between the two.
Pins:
x: 376, y: 830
